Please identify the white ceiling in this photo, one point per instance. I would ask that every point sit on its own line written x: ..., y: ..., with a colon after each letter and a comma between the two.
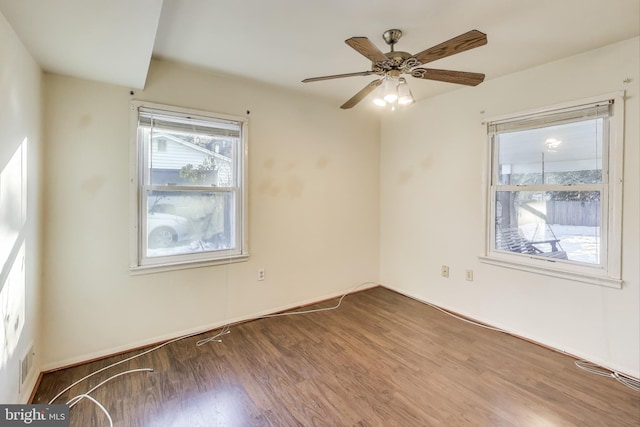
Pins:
x: 282, y: 42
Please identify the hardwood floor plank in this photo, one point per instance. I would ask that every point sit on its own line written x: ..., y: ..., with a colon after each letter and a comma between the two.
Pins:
x: 381, y: 359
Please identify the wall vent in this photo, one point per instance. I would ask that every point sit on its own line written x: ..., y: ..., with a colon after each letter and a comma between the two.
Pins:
x: 26, y: 364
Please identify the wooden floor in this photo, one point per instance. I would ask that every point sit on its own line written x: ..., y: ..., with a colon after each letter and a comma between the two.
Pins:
x: 381, y: 359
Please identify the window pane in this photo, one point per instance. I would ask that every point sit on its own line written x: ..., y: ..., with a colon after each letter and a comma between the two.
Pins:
x: 190, y: 187
x: 557, y: 224
x: 186, y: 222
x: 569, y: 153
x: 176, y: 158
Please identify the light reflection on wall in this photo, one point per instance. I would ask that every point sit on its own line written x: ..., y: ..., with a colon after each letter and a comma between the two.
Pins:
x: 12, y: 307
x: 13, y: 216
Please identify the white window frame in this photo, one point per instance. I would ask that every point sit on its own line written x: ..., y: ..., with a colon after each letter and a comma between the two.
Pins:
x: 609, y: 272
x: 138, y: 263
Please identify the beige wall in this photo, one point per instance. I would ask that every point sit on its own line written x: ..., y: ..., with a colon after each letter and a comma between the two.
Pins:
x: 432, y: 186
x: 313, y: 212
x: 20, y: 208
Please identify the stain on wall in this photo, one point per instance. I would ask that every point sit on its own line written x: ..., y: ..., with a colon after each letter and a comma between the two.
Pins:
x: 322, y: 162
x: 426, y: 163
x: 93, y: 184
x: 85, y: 121
x: 404, y: 176
x: 295, y: 186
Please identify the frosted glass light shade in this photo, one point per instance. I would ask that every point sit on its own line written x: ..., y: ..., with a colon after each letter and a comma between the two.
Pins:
x: 390, y: 90
x: 405, y: 97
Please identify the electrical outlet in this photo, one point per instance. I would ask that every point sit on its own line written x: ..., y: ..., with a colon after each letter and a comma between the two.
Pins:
x: 445, y: 271
x: 469, y: 275
x: 261, y: 274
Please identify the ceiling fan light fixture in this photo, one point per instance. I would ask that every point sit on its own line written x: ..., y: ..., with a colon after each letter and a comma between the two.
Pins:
x: 394, y: 90
x: 390, y: 89
x: 406, y: 100
x: 390, y: 97
x: 405, y: 97
x: 379, y: 101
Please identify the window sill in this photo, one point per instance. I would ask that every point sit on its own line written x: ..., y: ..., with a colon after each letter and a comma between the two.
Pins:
x: 161, y: 268
x: 575, y: 276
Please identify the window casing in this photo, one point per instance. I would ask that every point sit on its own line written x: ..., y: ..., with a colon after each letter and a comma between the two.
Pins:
x: 554, y: 191
x: 188, y: 188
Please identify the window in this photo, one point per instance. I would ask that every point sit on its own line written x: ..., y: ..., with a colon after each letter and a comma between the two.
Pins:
x: 188, y: 187
x: 555, y: 191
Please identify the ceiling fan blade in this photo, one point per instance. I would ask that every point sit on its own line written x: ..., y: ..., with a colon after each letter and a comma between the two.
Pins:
x: 459, y: 77
x: 337, y: 76
x: 360, y: 95
x: 365, y: 47
x: 466, y: 41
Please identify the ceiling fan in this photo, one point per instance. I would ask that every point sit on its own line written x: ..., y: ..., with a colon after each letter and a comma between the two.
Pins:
x: 393, y: 64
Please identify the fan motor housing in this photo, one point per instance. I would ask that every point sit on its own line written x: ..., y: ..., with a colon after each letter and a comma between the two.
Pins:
x: 398, y: 55
x: 396, y: 61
